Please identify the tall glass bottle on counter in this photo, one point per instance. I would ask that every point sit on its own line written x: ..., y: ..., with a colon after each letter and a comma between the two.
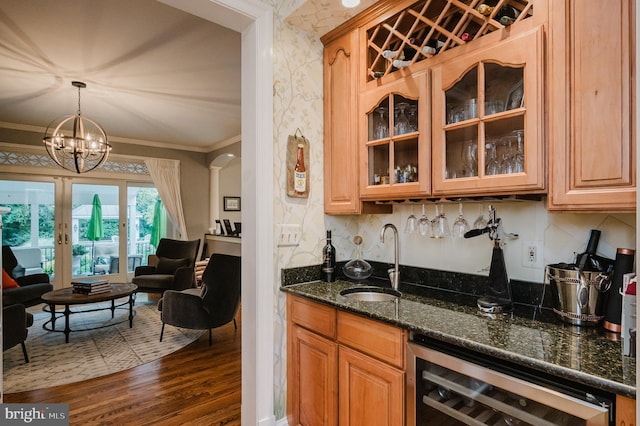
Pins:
x: 328, y: 261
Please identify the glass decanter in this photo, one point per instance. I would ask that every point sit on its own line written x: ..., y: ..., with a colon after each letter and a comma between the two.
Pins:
x: 358, y: 268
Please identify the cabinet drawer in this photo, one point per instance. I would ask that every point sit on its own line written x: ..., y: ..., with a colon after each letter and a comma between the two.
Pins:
x: 313, y: 316
x: 381, y: 341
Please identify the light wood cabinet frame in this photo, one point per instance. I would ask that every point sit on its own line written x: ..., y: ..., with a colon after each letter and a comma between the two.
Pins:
x: 526, y: 50
x: 592, y: 127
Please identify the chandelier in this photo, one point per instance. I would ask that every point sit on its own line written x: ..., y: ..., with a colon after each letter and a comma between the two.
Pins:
x: 76, y: 143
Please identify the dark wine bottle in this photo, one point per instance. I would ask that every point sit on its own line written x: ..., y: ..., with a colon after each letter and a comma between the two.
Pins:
x: 507, y: 15
x: 586, y: 260
x: 328, y: 261
x: 408, y: 51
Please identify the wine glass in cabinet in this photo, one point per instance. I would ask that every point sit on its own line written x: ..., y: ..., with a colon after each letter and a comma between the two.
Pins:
x: 487, y: 119
x: 394, y: 147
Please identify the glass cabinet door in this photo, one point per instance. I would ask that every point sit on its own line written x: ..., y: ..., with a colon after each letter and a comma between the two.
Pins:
x: 487, y: 133
x: 396, y: 158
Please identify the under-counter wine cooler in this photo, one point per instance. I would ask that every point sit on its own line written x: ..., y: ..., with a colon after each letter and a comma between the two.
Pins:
x: 450, y: 386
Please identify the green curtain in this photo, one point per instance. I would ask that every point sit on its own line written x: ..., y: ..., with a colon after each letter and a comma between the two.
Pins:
x: 159, y: 226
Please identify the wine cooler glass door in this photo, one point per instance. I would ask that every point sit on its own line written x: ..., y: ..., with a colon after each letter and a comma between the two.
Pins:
x: 452, y: 391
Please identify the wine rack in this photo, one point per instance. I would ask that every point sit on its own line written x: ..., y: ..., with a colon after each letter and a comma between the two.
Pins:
x: 429, y: 27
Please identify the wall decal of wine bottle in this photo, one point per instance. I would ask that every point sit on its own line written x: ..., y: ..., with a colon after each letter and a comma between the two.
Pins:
x: 298, y: 166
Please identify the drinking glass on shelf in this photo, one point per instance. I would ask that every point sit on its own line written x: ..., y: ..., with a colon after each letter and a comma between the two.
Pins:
x: 412, y: 223
x: 440, y: 224
x: 508, y: 156
x: 518, y: 164
x: 424, y: 224
x: 460, y: 225
x: 413, y: 118
x: 402, y: 125
x: 469, y: 158
x: 493, y: 166
x: 493, y: 106
x: 382, y: 126
x: 470, y: 109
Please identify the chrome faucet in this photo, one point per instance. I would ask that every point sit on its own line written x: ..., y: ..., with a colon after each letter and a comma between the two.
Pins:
x: 394, y: 274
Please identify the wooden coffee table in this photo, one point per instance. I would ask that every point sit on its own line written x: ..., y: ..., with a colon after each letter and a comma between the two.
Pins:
x: 67, y: 298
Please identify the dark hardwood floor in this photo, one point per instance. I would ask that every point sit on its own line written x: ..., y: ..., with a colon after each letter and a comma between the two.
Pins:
x: 197, y: 385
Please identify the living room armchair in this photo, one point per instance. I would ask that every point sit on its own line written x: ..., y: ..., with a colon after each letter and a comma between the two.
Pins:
x: 32, y: 287
x: 212, y: 306
x: 15, y: 324
x: 174, y: 270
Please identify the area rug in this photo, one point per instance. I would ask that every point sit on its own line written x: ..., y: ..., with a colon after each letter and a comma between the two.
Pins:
x: 91, y: 353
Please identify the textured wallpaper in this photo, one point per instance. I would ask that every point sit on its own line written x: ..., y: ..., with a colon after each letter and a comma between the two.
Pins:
x: 297, y: 102
x: 297, y: 97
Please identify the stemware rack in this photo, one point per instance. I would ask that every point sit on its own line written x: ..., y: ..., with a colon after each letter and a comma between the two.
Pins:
x: 435, y: 24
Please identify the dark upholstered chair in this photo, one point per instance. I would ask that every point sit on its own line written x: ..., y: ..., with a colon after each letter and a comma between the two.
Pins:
x: 15, y: 323
x: 32, y: 287
x: 175, y: 268
x: 215, y: 305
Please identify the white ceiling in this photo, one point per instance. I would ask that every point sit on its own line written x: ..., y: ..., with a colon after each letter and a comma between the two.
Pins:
x: 153, y: 73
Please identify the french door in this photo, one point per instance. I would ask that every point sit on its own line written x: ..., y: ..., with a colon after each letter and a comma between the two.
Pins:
x: 72, y: 228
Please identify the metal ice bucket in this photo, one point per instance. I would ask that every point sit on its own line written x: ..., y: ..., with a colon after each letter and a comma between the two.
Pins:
x: 579, y: 296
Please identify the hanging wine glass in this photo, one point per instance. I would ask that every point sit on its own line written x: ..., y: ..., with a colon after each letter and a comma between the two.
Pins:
x: 440, y: 224
x: 480, y: 222
x: 424, y: 224
x: 412, y: 223
x: 460, y: 225
x: 382, y: 126
x: 402, y: 124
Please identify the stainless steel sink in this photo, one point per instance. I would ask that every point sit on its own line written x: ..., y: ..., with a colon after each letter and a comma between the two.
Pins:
x: 370, y: 294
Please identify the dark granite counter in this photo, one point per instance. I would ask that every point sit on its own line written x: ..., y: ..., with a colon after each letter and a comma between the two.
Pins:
x: 580, y: 354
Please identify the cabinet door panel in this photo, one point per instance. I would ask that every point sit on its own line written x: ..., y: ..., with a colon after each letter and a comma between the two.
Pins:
x: 371, y: 392
x: 591, y: 127
x: 311, y: 379
x: 489, y: 103
x: 395, y: 161
x: 595, y: 93
x: 341, y: 194
x: 625, y: 411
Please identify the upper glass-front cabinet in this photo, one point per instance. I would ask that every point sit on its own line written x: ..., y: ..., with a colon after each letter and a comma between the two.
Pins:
x: 395, y: 150
x: 488, y: 119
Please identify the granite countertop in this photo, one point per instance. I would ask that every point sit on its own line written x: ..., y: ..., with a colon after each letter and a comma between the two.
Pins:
x: 581, y: 354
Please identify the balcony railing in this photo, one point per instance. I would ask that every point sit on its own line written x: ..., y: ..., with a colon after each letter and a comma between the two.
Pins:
x: 142, y: 248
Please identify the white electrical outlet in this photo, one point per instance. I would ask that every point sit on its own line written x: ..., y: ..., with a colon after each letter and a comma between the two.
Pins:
x: 289, y: 235
x: 532, y: 256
